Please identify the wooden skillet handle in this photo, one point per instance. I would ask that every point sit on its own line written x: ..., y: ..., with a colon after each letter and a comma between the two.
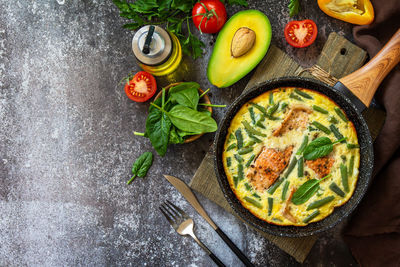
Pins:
x: 365, y: 81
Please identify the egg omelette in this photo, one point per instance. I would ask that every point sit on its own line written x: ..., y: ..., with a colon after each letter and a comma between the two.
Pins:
x: 291, y: 156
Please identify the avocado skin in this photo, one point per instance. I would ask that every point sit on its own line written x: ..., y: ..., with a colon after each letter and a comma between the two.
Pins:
x: 224, y: 70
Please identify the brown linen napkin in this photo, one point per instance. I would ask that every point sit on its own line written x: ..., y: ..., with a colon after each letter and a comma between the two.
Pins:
x: 373, y: 233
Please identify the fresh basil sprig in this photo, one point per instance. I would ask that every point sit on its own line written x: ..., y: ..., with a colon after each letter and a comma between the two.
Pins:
x: 141, y: 166
x: 319, y: 148
x: 294, y: 7
x: 307, y: 190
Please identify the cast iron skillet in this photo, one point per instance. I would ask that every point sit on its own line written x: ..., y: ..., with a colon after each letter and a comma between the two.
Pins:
x: 362, y: 84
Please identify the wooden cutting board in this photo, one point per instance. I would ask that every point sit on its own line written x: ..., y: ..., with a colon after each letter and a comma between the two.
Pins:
x: 338, y: 58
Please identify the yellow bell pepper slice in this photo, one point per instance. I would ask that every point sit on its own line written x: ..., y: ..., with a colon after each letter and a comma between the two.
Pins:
x: 359, y: 12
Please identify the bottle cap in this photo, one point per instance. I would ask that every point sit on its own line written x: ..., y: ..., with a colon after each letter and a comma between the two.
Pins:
x: 152, y: 45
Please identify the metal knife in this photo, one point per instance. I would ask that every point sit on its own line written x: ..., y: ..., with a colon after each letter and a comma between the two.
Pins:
x: 185, y: 190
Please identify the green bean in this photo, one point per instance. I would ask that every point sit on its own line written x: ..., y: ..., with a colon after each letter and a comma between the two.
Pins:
x: 311, y: 129
x: 259, y: 124
x: 231, y: 146
x: 319, y: 203
x: 253, y: 202
x: 240, y: 172
x: 260, y: 108
x: 276, y: 219
x: 351, y: 146
x: 256, y: 195
x: 228, y: 161
x: 311, y: 216
x: 273, y: 188
x: 239, y: 138
x: 231, y: 137
x: 248, y: 163
x: 252, y: 115
x: 251, y: 130
x: 245, y: 150
x: 249, y: 143
x: 340, y: 113
x: 270, y: 205
x: 271, y: 110
x: 333, y: 120
x: 319, y: 109
x: 235, y: 181
x: 345, y: 178
x: 336, y: 189
x: 292, y: 164
x: 285, y: 189
x: 303, y: 145
x: 336, y: 133
x: 351, y: 165
x: 248, y: 187
x: 343, y: 157
x: 255, y: 139
x: 284, y: 105
x: 238, y: 158
x: 272, y: 118
x: 321, y: 127
x: 303, y: 94
x: 271, y: 98
x: 300, y: 167
x: 293, y: 96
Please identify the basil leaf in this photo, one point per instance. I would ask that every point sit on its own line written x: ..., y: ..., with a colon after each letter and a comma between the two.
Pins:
x: 190, y: 120
x: 183, y: 86
x: 238, y: 2
x: 318, y: 148
x: 294, y: 7
x: 187, y: 96
x: 141, y: 165
x: 305, y: 191
x: 158, y: 127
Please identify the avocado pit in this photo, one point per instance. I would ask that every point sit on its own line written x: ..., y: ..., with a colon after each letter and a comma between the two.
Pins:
x: 242, y: 41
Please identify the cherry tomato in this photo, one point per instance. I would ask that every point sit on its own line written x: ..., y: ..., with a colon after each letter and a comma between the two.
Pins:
x: 209, y: 16
x: 301, y: 33
x: 141, y: 87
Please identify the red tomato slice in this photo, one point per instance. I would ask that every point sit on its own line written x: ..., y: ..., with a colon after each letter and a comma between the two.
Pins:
x: 301, y: 33
x: 141, y: 87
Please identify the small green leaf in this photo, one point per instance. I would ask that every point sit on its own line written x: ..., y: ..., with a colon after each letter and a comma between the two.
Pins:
x: 141, y: 165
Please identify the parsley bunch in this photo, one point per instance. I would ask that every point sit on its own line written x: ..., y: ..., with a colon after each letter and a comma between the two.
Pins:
x: 172, y: 13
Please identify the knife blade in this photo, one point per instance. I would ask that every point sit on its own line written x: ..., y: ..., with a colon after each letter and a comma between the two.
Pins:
x: 187, y: 193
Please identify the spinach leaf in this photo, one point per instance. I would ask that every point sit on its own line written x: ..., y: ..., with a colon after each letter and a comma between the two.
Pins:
x: 175, y: 137
x: 307, y: 190
x: 319, y: 148
x: 158, y: 127
x: 188, y: 97
x: 183, y: 86
x: 190, y: 120
x: 141, y: 166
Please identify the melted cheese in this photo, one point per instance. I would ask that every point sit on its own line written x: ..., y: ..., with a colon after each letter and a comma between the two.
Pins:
x: 341, y: 154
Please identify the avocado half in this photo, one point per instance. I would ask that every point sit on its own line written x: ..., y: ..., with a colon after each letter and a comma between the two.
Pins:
x: 224, y: 69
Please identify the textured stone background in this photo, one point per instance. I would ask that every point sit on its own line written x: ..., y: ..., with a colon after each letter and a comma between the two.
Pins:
x: 67, y: 145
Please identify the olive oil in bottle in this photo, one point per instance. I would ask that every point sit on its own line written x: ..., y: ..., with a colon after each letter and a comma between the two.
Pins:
x: 157, y: 50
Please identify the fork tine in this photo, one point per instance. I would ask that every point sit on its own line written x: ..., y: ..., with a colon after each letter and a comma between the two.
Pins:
x: 184, y: 215
x: 169, y: 219
x: 172, y: 213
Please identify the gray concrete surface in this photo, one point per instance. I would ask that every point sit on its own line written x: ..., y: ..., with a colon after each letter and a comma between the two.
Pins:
x: 67, y: 146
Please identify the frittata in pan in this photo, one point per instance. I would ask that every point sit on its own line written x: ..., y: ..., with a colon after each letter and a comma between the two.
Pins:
x: 291, y: 156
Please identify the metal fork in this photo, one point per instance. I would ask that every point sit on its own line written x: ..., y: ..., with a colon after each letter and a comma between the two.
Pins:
x: 184, y: 225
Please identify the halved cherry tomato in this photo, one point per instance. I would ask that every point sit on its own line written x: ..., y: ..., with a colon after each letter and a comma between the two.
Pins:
x: 209, y: 15
x: 141, y: 87
x: 301, y: 33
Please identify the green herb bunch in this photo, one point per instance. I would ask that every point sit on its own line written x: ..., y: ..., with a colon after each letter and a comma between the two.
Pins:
x: 174, y: 14
x: 174, y: 117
